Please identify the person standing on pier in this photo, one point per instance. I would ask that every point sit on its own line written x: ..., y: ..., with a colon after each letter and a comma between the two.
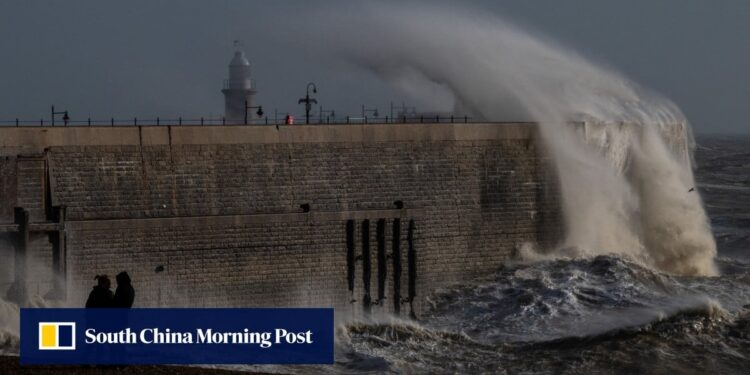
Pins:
x: 101, y: 296
x: 125, y: 294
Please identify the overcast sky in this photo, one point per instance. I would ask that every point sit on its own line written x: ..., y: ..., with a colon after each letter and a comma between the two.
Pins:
x: 168, y: 58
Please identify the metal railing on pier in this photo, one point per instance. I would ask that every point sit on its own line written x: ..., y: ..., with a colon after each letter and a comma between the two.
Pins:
x: 281, y: 119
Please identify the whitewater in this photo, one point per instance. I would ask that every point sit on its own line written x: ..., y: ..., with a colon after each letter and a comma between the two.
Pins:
x: 636, y: 283
x: 624, y: 172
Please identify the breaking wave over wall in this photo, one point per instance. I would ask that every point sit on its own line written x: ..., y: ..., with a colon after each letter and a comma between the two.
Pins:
x: 621, y: 151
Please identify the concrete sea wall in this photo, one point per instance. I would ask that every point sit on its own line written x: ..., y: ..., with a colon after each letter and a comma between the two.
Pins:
x: 358, y: 217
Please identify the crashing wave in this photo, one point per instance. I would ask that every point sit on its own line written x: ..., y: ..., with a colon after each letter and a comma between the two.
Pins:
x: 624, y: 175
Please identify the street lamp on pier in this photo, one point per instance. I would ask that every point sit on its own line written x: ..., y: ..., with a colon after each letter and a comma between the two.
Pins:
x: 65, y: 117
x: 259, y: 113
x: 308, y: 101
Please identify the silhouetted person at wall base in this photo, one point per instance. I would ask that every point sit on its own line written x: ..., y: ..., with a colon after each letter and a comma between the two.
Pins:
x: 100, y: 296
x: 125, y: 294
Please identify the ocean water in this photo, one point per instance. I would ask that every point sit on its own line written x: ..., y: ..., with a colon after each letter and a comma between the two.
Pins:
x: 596, y: 314
x: 651, y: 277
x: 588, y: 314
x: 601, y: 314
x: 641, y: 283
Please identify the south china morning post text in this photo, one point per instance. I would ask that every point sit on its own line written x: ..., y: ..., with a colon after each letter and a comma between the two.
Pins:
x: 177, y: 336
x: 149, y: 336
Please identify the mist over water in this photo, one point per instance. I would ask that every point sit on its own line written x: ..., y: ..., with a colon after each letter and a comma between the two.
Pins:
x: 636, y: 266
x: 632, y: 271
x: 624, y: 169
x: 633, y: 278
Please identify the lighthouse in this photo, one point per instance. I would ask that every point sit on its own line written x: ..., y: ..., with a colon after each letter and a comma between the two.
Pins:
x: 238, y: 90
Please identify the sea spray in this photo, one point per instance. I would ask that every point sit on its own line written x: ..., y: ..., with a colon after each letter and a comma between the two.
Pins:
x: 9, y: 329
x: 10, y: 306
x: 10, y: 314
x: 674, y: 224
x: 627, y: 193
x: 583, y: 315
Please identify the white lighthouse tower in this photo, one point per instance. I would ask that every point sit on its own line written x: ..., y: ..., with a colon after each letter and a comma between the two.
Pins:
x: 239, y: 89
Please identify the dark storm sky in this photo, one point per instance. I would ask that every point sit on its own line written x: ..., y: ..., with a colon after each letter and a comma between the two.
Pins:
x: 149, y: 58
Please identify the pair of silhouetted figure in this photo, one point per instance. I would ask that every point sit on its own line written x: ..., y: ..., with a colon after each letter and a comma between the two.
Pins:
x: 102, y: 296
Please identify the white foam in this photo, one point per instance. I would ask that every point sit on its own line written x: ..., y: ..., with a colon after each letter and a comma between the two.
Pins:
x: 625, y: 187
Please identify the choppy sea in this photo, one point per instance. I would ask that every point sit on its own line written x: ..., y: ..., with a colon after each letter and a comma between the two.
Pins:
x: 594, y: 315
x: 599, y: 315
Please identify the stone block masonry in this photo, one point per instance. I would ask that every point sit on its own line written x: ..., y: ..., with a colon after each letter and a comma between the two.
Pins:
x: 258, y: 215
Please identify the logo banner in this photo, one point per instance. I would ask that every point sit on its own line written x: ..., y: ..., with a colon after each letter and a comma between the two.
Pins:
x: 177, y: 336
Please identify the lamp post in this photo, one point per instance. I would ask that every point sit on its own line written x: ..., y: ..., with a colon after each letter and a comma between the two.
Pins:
x: 308, y: 101
x: 65, y: 117
x: 259, y: 113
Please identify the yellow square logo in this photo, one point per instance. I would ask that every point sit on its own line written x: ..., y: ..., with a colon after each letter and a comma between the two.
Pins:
x: 57, y: 336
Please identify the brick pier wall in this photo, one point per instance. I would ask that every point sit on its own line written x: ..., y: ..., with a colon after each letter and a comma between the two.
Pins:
x: 220, y: 207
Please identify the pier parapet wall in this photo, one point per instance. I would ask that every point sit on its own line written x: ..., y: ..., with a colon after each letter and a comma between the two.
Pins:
x: 358, y: 217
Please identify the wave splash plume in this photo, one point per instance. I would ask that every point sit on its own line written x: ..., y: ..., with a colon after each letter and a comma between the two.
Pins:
x: 624, y: 167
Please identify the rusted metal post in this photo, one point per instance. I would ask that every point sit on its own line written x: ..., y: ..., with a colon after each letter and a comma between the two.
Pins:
x: 18, y: 291
x: 366, y: 266
x: 411, y: 257
x: 396, y: 257
x: 57, y: 238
